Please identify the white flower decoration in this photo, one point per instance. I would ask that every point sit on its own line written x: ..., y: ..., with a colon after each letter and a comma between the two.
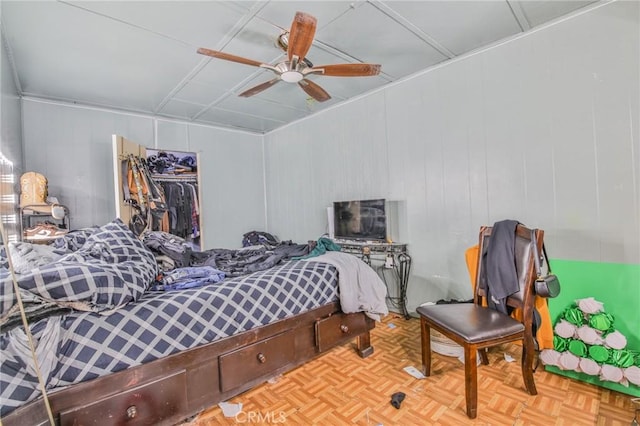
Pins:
x: 590, y: 305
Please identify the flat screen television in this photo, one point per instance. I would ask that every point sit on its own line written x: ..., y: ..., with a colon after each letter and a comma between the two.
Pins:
x: 360, y: 220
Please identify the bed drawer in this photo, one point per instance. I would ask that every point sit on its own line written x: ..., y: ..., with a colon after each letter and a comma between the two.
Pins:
x: 338, y: 328
x: 256, y: 360
x: 152, y: 403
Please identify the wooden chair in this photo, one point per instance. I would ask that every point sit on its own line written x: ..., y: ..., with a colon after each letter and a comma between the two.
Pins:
x: 476, y: 327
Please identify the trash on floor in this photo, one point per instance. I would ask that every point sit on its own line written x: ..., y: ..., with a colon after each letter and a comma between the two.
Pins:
x: 275, y: 379
x: 414, y: 372
x: 229, y: 409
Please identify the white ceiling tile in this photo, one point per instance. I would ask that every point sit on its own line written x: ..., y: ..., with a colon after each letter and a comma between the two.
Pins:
x: 262, y: 108
x: 541, y: 11
x: 103, y: 61
x: 241, y: 121
x: 199, y: 93
x: 176, y: 108
x: 191, y: 22
x: 398, y: 50
x: 459, y: 26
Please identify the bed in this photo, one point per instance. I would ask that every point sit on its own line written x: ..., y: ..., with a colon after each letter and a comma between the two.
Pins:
x: 111, y: 349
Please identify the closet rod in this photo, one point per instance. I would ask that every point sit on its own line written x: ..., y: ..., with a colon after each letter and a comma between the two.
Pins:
x: 184, y: 178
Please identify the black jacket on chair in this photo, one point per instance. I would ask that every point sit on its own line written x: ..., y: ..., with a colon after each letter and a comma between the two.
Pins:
x: 499, y: 276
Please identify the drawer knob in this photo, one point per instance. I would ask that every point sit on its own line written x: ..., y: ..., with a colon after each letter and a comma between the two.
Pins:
x: 132, y: 412
x: 344, y: 328
x: 262, y: 358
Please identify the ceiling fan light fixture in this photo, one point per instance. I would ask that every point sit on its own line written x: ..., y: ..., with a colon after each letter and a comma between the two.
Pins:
x: 291, y: 76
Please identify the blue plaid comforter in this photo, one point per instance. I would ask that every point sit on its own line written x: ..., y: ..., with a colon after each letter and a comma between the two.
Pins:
x: 81, y: 346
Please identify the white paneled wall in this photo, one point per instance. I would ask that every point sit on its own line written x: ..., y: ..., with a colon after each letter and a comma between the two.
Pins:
x: 71, y: 146
x: 10, y: 146
x: 543, y: 129
x: 10, y: 114
x: 306, y: 172
x: 232, y: 179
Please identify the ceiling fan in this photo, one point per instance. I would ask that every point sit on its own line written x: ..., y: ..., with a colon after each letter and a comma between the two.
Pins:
x: 296, y: 67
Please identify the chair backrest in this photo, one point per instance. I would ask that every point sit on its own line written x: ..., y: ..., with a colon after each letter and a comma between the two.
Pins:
x: 33, y: 189
x: 524, y: 264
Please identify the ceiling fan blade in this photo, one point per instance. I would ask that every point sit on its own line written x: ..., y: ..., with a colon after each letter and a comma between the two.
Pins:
x: 301, y: 35
x: 259, y: 88
x: 228, y: 57
x: 349, y: 70
x: 313, y: 90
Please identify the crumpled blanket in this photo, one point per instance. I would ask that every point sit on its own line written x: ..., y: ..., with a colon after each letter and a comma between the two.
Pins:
x: 235, y: 263
x: 46, y: 335
x: 360, y: 287
x: 26, y: 256
x: 111, y: 269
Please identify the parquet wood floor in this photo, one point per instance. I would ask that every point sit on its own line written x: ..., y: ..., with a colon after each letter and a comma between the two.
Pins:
x: 340, y: 388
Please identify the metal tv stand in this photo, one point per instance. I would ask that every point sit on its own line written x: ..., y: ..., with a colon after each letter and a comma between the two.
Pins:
x: 392, y: 256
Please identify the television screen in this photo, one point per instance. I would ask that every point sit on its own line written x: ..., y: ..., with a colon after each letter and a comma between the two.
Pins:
x: 360, y: 220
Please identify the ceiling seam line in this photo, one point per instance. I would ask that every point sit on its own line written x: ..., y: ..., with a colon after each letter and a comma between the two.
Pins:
x: 203, y: 62
x: 518, y: 13
x: 129, y: 24
x: 235, y: 30
x: 113, y: 110
x: 261, y: 117
x: 227, y: 93
x: 387, y: 10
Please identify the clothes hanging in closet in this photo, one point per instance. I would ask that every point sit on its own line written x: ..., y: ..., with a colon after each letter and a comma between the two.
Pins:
x: 184, y: 213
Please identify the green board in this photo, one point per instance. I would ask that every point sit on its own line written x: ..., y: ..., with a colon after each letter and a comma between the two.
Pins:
x: 617, y: 286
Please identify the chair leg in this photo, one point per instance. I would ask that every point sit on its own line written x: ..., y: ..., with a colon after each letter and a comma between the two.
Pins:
x: 425, y: 337
x: 484, y: 357
x: 471, y: 380
x: 528, y: 355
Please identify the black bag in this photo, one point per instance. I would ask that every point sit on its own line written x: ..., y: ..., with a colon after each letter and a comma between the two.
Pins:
x: 546, y: 285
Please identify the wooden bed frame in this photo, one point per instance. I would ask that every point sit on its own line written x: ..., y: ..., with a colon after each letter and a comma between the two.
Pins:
x: 172, y: 389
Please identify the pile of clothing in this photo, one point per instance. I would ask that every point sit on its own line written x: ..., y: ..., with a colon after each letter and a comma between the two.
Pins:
x: 183, y: 267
